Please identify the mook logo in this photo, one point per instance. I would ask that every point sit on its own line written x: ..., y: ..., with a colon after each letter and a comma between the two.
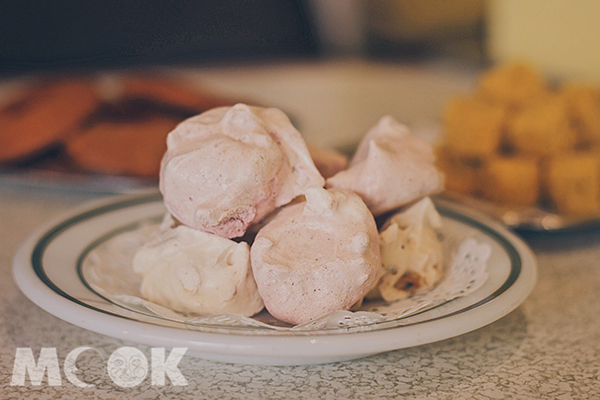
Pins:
x: 126, y: 367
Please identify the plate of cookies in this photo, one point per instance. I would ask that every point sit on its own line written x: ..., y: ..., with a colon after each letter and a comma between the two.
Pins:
x: 525, y: 150
x: 260, y: 251
x: 103, y: 132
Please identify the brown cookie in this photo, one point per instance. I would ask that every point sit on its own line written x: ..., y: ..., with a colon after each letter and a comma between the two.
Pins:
x: 43, y: 116
x: 124, y: 148
x: 166, y: 91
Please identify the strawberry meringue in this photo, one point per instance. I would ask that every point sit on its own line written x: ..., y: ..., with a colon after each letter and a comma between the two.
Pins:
x: 411, y: 253
x: 231, y: 166
x: 390, y: 168
x: 197, y: 272
x: 316, y: 257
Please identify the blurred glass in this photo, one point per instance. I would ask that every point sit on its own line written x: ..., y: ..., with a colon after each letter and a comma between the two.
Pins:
x: 339, y: 25
x: 422, y: 27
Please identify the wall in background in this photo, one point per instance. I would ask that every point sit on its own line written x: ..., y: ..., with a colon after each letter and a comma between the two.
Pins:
x: 561, y: 37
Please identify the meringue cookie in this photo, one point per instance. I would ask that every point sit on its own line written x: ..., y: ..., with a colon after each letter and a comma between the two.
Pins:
x: 328, y: 162
x: 317, y: 256
x: 231, y: 166
x: 197, y: 272
x: 411, y: 253
x: 390, y: 168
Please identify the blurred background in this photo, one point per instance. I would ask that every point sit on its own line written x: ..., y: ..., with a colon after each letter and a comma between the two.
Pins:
x: 89, y: 89
x: 559, y: 36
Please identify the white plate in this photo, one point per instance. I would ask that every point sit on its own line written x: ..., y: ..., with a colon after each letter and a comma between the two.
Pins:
x: 46, y: 268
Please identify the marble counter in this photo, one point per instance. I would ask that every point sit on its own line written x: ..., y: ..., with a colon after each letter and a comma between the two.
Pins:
x: 549, y: 347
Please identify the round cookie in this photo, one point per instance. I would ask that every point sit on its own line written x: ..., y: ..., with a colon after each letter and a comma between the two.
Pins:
x: 44, y: 116
x: 126, y: 147
x: 231, y: 166
x: 196, y: 272
x: 316, y: 257
x: 390, y: 168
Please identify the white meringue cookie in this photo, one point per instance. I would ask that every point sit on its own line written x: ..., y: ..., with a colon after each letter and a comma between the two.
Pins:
x: 197, y: 272
x: 231, y: 166
x: 390, y: 168
x: 317, y: 256
x: 411, y: 253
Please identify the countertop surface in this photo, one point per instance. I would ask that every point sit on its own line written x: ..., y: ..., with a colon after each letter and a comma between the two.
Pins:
x: 548, y: 348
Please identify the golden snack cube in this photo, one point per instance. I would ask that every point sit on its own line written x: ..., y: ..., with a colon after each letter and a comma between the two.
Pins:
x: 473, y: 128
x: 512, y: 85
x: 461, y: 175
x: 542, y: 128
x: 573, y: 181
x: 583, y: 108
x: 511, y: 181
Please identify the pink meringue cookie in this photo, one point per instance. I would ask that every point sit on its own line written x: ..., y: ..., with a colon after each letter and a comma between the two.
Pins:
x: 316, y: 257
x: 231, y: 166
x: 390, y: 168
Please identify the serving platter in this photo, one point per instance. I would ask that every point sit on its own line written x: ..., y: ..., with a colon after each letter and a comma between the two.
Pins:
x: 48, y: 269
x: 531, y: 218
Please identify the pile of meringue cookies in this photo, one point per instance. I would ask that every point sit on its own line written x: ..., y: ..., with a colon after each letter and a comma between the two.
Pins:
x: 253, y: 223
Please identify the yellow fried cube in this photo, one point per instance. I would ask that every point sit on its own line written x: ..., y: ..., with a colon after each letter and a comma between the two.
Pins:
x: 583, y: 108
x: 512, y: 85
x: 573, y: 181
x: 512, y: 180
x: 473, y: 128
x: 461, y: 175
x: 542, y: 128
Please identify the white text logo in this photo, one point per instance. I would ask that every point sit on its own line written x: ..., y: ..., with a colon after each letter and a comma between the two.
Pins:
x: 126, y: 367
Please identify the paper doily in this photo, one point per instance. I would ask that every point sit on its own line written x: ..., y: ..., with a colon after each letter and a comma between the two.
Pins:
x: 107, y: 269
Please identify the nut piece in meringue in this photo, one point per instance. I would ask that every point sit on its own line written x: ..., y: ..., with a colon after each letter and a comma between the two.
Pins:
x: 317, y: 256
x: 231, y: 166
x: 391, y: 168
x: 197, y: 272
x: 411, y: 253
